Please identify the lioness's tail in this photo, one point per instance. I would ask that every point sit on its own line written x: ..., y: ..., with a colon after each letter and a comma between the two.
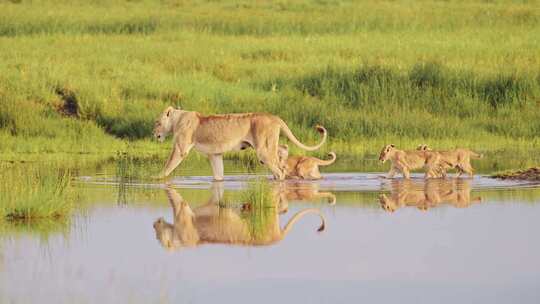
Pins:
x: 299, y: 215
x: 476, y: 155
x: 327, y: 162
x: 285, y: 129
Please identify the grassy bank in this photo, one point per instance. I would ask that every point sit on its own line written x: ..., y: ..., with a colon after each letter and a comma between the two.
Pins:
x: 89, y: 78
x: 34, y: 192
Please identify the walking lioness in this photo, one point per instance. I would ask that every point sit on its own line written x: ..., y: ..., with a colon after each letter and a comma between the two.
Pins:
x: 216, y: 134
x: 305, y: 167
x: 459, y: 159
x: 405, y: 161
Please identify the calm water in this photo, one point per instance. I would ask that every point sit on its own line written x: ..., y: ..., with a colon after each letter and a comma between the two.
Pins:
x: 466, y: 241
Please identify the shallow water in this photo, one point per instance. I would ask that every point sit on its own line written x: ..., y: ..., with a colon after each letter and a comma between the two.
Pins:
x: 457, y: 240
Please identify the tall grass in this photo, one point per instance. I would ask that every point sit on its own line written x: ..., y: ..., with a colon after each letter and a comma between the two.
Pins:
x: 89, y: 77
x: 262, y: 211
x: 261, y: 18
x: 34, y: 192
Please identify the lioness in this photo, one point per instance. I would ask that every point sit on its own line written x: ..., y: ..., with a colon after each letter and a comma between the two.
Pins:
x: 405, y: 161
x: 459, y: 159
x: 211, y: 223
x: 216, y: 134
x: 305, y: 167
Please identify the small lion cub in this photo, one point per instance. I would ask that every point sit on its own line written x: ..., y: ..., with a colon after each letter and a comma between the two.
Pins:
x: 304, y: 167
x: 459, y: 159
x: 405, y: 161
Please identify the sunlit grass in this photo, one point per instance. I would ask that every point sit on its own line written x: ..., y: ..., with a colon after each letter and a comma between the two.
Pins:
x: 449, y: 74
x: 34, y: 192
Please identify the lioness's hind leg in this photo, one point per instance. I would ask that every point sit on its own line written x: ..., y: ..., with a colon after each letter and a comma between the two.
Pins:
x: 216, y: 161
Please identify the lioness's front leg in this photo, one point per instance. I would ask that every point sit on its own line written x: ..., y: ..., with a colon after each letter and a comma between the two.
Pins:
x: 179, y: 152
x: 216, y: 161
x: 175, y: 200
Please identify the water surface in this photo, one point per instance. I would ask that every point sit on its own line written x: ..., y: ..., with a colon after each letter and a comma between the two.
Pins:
x: 457, y: 240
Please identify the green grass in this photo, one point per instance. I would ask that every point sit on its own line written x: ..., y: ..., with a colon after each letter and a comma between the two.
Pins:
x: 89, y: 77
x: 34, y: 192
x: 258, y: 194
x: 261, y: 215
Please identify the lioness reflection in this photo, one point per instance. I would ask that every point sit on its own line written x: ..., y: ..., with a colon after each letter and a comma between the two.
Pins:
x: 428, y: 194
x: 212, y: 223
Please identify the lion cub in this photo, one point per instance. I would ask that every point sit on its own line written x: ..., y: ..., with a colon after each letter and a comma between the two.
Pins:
x: 405, y: 161
x: 305, y: 167
x: 459, y: 159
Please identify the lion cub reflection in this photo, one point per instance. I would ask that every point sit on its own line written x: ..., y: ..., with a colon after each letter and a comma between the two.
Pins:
x: 299, y: 191
x: 211, y: 223
x: 305, y: 167
x: 428, y: 194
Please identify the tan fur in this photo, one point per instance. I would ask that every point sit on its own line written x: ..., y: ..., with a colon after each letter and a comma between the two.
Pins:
x: 405, y: 161
x: 216, y: 134
x: 431, y: 193
x: 299, y: 191
x: 304, y: 167
x: 212, y: 224
x: 459, y: 159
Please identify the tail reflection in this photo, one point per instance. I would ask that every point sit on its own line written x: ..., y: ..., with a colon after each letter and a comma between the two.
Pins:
x: 428, y: 194
x: 215, y: 224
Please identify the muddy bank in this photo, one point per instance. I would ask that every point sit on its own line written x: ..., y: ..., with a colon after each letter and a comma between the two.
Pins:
x: 531, y: 174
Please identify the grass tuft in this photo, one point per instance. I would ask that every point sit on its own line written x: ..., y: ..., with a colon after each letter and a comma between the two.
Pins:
x: 33, y: 192
x: 262, y: 211
x: 426, y: 74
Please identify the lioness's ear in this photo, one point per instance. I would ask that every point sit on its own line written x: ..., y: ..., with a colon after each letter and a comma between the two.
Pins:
x: 392, y: 145
x: 169, y: 110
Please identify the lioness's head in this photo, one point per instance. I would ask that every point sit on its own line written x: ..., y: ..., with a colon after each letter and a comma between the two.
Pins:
x: 180, y: 234
x: 423, y: 147
x: 165, y: 234
x: 163, y: 124
x: 385, y: 152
